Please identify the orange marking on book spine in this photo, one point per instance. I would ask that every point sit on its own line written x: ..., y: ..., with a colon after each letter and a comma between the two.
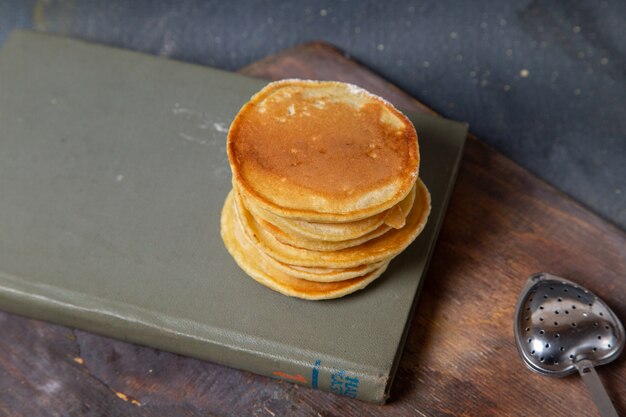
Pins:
x: 298, y: 377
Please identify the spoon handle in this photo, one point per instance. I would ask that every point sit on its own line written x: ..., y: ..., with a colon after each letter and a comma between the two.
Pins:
x: 596, y: 389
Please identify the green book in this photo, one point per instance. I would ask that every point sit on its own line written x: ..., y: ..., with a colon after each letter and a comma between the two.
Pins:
x: 113, y: 172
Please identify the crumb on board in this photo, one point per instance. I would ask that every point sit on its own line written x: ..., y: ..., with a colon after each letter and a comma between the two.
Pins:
x: 127, y: 398
x: 79, y: 360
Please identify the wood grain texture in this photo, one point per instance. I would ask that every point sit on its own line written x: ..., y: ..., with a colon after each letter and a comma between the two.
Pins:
x: 460, y: 358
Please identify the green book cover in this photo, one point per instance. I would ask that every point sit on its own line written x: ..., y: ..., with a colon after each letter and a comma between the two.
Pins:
x: 113, y: 172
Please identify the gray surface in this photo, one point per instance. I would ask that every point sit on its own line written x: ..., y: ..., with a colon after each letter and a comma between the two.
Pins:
x: 113, y: 173
x: 565, y: 121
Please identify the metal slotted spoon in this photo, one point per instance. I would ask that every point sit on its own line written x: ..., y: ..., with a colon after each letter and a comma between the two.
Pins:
x: 561, y: 327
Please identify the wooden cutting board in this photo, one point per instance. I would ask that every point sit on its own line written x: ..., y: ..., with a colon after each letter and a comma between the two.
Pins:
x: 460, y: 358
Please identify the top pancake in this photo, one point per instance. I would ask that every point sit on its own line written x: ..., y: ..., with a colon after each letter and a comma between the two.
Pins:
x: 322, y: 151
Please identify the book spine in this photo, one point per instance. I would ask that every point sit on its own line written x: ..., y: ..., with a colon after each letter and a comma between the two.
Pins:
x: 335, y: 377
x: 303, y: 368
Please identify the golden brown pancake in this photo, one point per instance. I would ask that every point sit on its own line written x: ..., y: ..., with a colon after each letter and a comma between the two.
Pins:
x: 319, y: 245
x: 255, y: 265
x: 322, y: 151
x: 326, y: 274
x: 293, y: 239
x: 335, y: 232
x: 325, y: 188
x: 381, y: 248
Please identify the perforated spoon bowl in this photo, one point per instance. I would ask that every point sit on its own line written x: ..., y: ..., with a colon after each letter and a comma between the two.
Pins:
x: 561, y: 328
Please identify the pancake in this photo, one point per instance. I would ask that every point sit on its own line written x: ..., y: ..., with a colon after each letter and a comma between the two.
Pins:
x: 322, y: 151
x: 252, y: 261
x: 320, y: 245
x: 320, y: 274
x: 381, y: 248
x: 334, y: 232
x: 331, y: 232
x: 289, y: 238
x: 326, y: 274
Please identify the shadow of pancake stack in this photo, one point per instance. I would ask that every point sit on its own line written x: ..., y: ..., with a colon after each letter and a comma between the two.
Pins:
x: 325, y: 188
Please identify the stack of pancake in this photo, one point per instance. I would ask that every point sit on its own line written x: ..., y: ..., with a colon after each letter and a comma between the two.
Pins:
x: 325, y: 188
